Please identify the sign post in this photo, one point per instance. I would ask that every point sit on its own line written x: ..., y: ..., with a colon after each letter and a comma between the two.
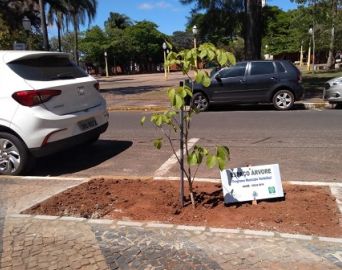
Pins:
x: 251, y: 183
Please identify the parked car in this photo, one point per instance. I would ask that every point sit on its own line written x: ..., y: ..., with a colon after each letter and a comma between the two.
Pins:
x: 277, y: 82
x: 47, y: 104
x: 333, y: 91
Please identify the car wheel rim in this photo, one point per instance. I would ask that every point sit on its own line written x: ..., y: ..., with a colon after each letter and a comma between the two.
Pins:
x: 283, y: 100
x: 201, y: 102
x: 9, y: 156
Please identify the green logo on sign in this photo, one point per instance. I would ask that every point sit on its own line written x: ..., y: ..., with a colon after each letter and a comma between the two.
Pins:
x: 271, y: 190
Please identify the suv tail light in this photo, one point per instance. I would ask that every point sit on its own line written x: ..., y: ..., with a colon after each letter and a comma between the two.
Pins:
x: 32, y: 98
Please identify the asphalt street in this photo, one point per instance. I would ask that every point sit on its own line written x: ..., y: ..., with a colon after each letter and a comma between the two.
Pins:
x: 306, y: 143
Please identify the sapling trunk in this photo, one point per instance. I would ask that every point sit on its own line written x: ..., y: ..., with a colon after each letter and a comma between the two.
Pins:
x: 191, y: 193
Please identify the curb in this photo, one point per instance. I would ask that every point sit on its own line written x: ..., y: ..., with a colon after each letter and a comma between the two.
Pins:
x: 159, y: 108
x: 316, y: 105
x: 194, y: 229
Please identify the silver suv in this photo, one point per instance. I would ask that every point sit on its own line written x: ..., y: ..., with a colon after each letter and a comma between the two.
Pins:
x: 277, y: 82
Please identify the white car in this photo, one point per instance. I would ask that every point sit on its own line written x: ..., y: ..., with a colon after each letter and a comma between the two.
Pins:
x: 47, y: 104
x: 333, y: 91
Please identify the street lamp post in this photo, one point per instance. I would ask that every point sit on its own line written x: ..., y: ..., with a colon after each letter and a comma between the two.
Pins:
x: 106, y: 62
x: 312, y: 33
x: 164, y: 46
x: 27, y: 26
x: 194, y: 32
x: 309, y: 56
x: 266, y: 52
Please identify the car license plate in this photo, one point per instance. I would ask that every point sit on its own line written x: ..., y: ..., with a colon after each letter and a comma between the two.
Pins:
x: 87, y: 124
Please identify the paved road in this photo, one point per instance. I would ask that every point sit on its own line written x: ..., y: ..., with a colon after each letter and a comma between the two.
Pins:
x: 306, y: 143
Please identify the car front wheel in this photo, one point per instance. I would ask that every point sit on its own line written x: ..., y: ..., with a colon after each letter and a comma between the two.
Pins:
x: 200, y: 102
x: 283, y: 100
x: 14, y: 156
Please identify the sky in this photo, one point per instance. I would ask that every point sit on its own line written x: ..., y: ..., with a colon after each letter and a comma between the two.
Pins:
x: 169, y: 15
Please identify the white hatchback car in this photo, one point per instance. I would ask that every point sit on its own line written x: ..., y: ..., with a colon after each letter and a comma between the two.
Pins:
x: 47, y: 104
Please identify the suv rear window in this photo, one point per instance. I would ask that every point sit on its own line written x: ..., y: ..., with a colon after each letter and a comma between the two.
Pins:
x: 260, y: 68
x: 47, y: 68
x: 280, y: 67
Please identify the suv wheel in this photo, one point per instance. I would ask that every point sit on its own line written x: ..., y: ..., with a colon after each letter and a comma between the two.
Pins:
x: 283, y: 100
x: 13, y: 154
x: 200, y: 102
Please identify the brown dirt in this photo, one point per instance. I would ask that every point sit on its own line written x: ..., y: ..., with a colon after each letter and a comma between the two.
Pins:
x: 305, y: 209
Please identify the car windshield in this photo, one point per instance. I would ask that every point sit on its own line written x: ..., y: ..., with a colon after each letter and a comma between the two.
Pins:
x: 47, y: 68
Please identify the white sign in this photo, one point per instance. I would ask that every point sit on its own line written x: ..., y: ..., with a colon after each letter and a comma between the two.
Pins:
x: 251, y: 183
x: 19, y: 46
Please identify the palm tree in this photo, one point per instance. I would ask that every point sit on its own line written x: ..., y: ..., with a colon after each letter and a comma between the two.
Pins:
x: 80, y: 11
x: 117, y: 20
x: 56, y: 15
x: 220, y: 10
x: 43, y: 24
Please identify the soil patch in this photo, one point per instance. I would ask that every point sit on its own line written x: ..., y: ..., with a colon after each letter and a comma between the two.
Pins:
x: 305, y: 209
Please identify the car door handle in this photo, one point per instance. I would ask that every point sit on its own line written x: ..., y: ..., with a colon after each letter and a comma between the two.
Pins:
x: 243, y: 81
x: 273, y: 78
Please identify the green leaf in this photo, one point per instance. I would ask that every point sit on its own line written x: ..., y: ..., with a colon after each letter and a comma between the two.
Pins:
x: 223, y: 152
x: 142, y: 120
x: 181, y: 91
x: 171, y: 93
x: 188, y: 91
x: 211, y: 55
x: 222, y: 58
x: 221, y: 164
x: 169, y: 45
x: 211, y: 161
x: 179, y: 102
x: 192, y: 159
x: 158, y: 143
x: 199, y: 76
x: 206, y: 81
x: 203, y: 54
x: 188, y: 55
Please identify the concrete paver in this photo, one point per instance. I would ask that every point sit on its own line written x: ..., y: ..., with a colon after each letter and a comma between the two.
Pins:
x: 59, y: 244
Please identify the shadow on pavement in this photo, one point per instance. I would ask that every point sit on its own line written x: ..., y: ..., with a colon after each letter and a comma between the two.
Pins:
x: 250, y: 107
x: 132, y: 89
x: 79, y: 158
x: 114, y: 80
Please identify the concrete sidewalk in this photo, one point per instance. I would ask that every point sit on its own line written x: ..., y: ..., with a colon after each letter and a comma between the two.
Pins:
x: 45, y: 242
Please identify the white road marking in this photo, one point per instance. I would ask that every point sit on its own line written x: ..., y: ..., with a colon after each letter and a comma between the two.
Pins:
x: 173, y: 160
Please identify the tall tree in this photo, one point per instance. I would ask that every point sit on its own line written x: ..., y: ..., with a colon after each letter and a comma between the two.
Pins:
x: 333, y: 17
x: 253, y: 29
x: 117, y: 20
x: 56, y: 15
x: 330, y: 9
x: 230, y: 16
x: 43, y: 25
x: 12, y: 12
x: 79, y: 12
